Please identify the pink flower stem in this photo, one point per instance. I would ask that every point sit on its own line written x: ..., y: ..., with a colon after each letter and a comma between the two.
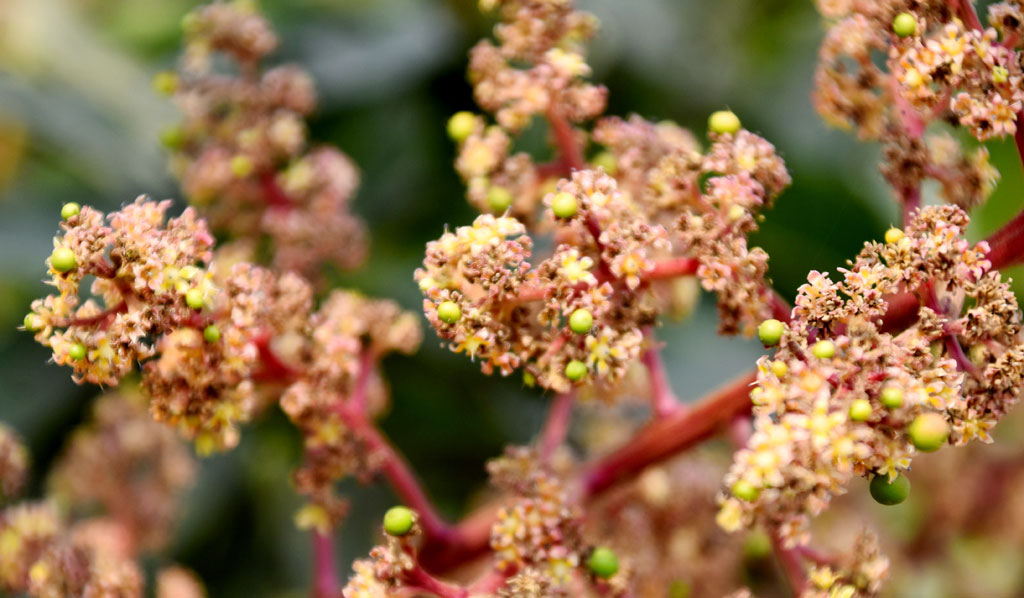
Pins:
x: 781, y: 310
x: 663, y: 400
x: 273, y: 368
x: 571, y: 154
x: 949, y: 339
x: 99, y: 318
x: 272, y: 192
x: 419, y: 578
x: 557, y: 425
x: 1006, y: 245
x: 965, y: 11
x: 325, y: 577
x: 358, y: 397
x: 792, y: 566
x: 660, y: 440
x: 911, y: 200
x: 1018, y: 136
x: 669, y: 436
x: 673, y: 268
x: 490, y: 581
x: 397, y: 471
x: 815, y: 556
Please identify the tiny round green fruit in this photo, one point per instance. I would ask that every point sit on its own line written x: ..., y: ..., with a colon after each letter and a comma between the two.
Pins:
x: 891, y: 397
x: 172, y: 137
x: 887, y: 493
x: 33, y: 323
x: 241, y: 166
x: 607, y: 161
x: 194, y: 298
x: 745, y: 491
x: 860, y: 410
x: 603, y: 562
x: 770, y: 332
x: 449, y: 312
x: 928, y: 432
x: 575, y: 370
x: 63, y: 260
x: 824, y: 349
x: 564, y: 205
x: 499, y: 199
x: 165, y: 83
x: 724, y: 121
x: 211, y: 333
x: 904, y: 25
x: 398, y: 521
x: 581, y: 321
x: 76, y: 351
x: 461, y: 125
x: 70, y: 210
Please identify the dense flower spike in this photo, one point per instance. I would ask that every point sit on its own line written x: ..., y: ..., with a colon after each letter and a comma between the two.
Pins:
x: 916, y: 345
x: 242, y: 153
x: 859, y: 574
x: 14, y: 464
x: 540, y: 528
x: 131, y: 466
x: 143, y: 268
x: 812, y: 431
x: 339, y: 390
x: 938, y: 67
x: 43, y: 557
x: 483, y: 295
x: 651, y: 192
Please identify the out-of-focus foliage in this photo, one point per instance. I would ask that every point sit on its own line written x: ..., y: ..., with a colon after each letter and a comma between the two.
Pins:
x: 79, y: 122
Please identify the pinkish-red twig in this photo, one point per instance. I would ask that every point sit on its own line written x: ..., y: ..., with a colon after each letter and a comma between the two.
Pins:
x: 325, y: 576
x: 357, y: 399
x: 272, y: 368
x: 273, y: 193
x: 965, y: 10
x: 99, y: 318
x: 672, y: 268
x: 792, y: 566
x: 570, y: 152
x: 419, y: 578
x: 669, y: 436
x: 557, y: 425
x: 397, y: 471
x: 663, y: 400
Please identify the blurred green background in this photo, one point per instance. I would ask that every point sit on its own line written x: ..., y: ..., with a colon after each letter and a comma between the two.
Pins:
x: 78, y: 122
